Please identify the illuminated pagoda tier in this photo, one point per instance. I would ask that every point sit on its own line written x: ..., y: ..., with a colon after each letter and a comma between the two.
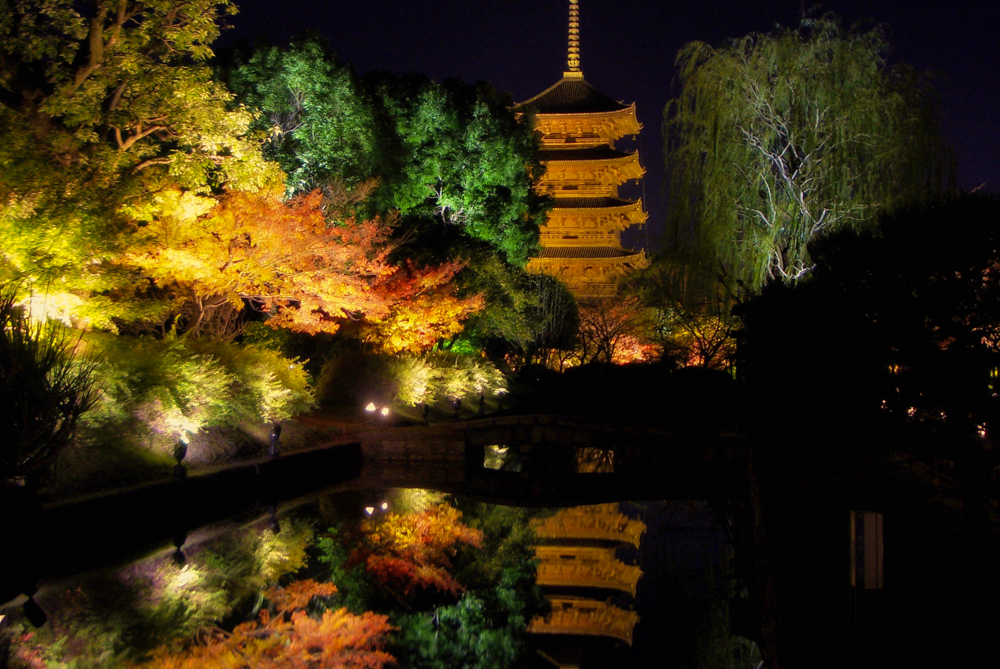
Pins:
x: 576, y: 555
x: 585, y: 567
x: 581, y: 241
x: 596, y: 522
x: 582, y: 616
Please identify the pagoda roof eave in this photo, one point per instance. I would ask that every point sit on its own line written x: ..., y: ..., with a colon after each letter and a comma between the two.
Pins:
x: 635, y: 205
x: 623, y: 258
x: 572, y: 95
x: 628, y: 110
x: 622, y: 156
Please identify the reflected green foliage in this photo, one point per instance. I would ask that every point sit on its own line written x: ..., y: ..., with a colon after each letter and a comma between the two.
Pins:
x: 355, y: 588
x: 115, y: 619
x: 781, y: 138
x: 470, y: 634
x: 486, y: 627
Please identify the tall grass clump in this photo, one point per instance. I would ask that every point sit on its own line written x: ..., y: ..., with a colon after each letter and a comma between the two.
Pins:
x: 45, y: 389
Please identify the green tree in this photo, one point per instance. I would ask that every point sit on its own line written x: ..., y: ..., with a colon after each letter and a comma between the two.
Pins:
x: 465, y: 160
x: 320, y: 124
x: 101, y: 103
x: 444, y: 155
x: 486, y: 627
x: 778, y: 139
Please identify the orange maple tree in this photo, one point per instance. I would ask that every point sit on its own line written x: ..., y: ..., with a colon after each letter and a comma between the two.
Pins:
x: 285, y: 257
x: 288, y: 639
x: 407, y: 552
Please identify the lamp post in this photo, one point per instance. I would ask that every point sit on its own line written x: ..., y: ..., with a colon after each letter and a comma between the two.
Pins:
x: 272, y: 449
x: 178, y: 555
x: 34, y: 613
x: 180, y: 452
x: 272, y: 521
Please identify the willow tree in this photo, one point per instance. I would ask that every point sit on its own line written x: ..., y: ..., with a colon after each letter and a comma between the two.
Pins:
x: 778, y: 139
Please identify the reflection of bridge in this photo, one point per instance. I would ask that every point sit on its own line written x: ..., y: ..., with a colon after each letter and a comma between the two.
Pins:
x: 107, y: 528
x: 644, y: 463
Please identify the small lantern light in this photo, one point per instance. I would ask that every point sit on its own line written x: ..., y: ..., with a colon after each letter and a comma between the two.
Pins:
x: 272, y: 449
x: 371, y: 407
x: 369, y: 510
x: 384, y: 411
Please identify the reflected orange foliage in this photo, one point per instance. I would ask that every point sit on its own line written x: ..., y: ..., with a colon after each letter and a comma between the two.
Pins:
x: 406, y: 552
x: 289, y: 639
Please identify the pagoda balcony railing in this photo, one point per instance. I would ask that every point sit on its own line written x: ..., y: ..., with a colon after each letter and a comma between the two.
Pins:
x: 611, y: 575
x: 600, y: 522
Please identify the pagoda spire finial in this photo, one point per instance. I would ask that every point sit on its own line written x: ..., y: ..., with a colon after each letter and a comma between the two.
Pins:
x: 574, y: 36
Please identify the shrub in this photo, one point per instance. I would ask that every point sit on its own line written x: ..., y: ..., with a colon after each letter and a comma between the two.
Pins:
x: 115, y: 619
x: 158, y: 391
x: 44, y: 390
x: 439, y: 375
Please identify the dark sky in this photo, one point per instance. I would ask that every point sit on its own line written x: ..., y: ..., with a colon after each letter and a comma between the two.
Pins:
x: 628, y: 49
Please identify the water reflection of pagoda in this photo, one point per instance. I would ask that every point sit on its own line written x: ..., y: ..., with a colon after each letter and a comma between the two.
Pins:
x: 581, y: 242
x: 579, y: 572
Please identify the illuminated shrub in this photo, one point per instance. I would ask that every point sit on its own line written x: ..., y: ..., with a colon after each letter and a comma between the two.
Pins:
x: 437, y: 376
x: 159, y: 391
x: 352, y: 377
x: 115, y: 619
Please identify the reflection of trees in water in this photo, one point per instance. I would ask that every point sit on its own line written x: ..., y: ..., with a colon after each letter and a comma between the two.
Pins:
x: 584, y: 460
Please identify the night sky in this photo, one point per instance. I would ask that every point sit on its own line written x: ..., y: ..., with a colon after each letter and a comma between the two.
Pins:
x: 628, y: 49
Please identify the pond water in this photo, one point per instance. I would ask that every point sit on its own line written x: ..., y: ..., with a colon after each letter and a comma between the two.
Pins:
x: 637, y: 584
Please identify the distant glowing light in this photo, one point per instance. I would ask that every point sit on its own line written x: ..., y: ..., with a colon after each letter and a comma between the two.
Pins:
x: 371, y: 407
x: 384, y: 411
x: 385, y: 505
x: 369, y: 510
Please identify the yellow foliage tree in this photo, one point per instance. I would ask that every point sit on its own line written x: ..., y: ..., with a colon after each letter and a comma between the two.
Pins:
x: 285, y: 258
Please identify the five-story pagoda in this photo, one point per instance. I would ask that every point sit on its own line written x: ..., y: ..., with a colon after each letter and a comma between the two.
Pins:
x: 581, y: 242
